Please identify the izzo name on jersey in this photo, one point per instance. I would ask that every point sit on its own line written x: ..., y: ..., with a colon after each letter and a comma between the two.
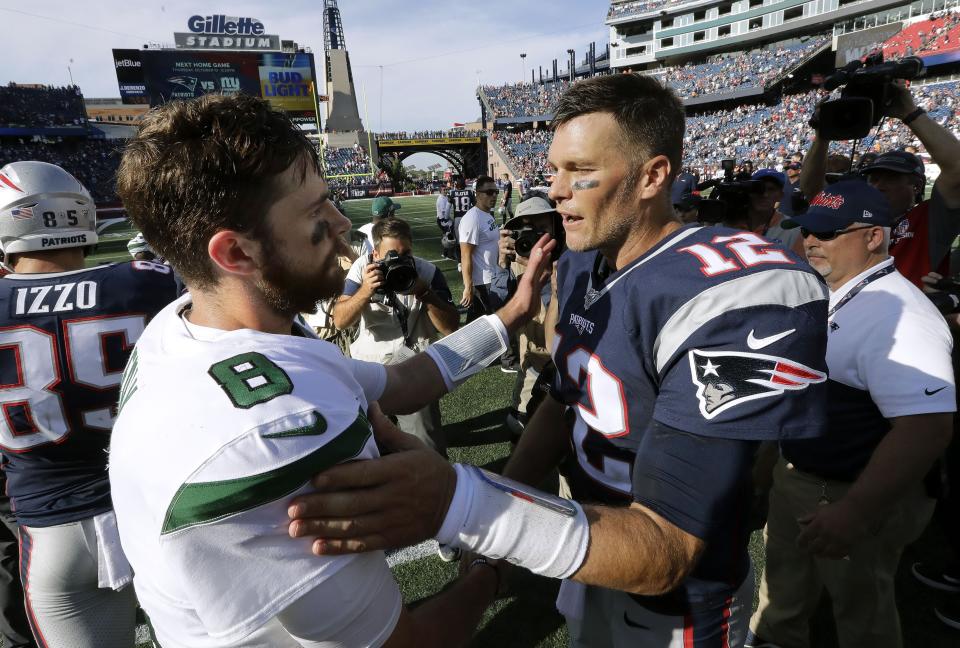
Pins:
x: 59, y: 298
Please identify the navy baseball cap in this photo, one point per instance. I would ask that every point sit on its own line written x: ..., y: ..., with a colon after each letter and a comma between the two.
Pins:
x: 898, y: 161
x: 842, y: 204
x: 771, y: 174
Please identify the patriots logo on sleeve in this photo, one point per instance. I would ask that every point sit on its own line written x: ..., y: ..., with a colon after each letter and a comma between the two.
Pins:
x: 725, y: 379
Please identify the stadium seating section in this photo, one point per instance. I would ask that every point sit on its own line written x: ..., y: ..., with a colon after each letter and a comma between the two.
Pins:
x: 32, y: 107
x: 768, y: 135
x: 717, y: 75
x: 92, y: 162
x: 345, y: 161
x: 941, y: 33
x: 621, y: 9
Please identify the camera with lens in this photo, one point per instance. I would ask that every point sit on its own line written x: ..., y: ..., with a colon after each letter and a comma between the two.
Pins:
x: 867, y: 89
x: 399, y: 272
x: 730, y: 199
x: 525, y: 238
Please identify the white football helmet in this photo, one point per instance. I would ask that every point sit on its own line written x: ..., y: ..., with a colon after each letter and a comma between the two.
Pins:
x: 42, y: 207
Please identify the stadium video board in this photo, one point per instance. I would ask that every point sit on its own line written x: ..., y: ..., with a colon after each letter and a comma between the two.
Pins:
x: 156, y: 76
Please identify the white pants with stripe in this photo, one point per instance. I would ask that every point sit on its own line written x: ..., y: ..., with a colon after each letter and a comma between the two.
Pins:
x: 65, y: 605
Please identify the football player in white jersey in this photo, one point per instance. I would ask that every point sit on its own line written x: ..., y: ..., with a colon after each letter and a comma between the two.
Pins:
x: 228, y: 407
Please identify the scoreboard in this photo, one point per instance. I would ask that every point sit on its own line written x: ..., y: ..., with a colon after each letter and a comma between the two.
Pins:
x: 154, y: 77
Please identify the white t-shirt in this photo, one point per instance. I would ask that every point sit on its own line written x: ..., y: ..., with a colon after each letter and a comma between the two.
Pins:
x: 891, y: 341
x: 366, y: 230
x: 480, y: 229
x: 217, y: 431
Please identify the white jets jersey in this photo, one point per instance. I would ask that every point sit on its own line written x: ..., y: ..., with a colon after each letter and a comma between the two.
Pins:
x: 217, y: 431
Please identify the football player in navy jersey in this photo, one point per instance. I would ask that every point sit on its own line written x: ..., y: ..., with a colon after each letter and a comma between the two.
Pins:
x: 65, y: 335
x: 678, y: 351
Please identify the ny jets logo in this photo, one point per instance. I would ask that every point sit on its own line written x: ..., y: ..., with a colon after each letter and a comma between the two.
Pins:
x: 725, y: 379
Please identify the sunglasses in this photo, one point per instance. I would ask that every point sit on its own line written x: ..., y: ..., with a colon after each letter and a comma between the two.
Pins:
x: 490, y: 192
x: 829, y: 236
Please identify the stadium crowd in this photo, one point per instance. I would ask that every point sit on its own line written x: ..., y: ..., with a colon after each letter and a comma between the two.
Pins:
x: 524, y: 99
x: 686, y: 439
x: 718, y: 74
x: 425, y: 134
x: 620, y: 9
x: 346, y: 161
x: 24, y: 106
x: 940, y: 33
x: 92, y: 162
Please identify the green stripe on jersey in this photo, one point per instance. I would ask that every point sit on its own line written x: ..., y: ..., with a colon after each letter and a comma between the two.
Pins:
x: 203, y: 502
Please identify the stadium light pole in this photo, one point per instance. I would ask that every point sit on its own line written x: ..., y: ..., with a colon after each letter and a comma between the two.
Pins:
x: 523, y: 66
x: 70, y: 72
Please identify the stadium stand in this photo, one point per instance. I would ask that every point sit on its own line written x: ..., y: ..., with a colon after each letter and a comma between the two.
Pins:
x: 719, y: 74
x: 940, y: 33
x: 92, y: 162
x: 768, y: 135
x: 344, y: 161
x: 33, y: 106
x: 621, y: 9
x: 427, y: 134
x: 726, y: 72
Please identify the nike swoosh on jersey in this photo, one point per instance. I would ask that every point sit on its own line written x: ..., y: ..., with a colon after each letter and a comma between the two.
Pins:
x: 202, y: 502
x: 758, y: 343
x: 931, y: 393
x: 318, y: 427
x: 634, y: 624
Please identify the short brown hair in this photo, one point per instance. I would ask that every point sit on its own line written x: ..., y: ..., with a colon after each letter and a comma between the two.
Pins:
x: 391, y: 227
x: 205, y: 165
x: 649, y: 114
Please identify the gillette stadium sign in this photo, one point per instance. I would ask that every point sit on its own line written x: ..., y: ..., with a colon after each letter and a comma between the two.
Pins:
x: 219, y: 32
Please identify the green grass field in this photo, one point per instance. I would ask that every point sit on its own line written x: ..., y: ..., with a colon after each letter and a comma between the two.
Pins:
x: 473, y: 419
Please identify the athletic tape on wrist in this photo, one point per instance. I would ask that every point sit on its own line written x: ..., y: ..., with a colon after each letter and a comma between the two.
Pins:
x: 500, y: 518
x: 469, y: 350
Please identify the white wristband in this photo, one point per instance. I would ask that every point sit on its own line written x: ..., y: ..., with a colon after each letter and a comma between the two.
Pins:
x: 469, y: 350
x: 500, y: 518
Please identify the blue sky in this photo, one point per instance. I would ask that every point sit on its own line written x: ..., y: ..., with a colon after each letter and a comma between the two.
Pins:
x: 432, y: 52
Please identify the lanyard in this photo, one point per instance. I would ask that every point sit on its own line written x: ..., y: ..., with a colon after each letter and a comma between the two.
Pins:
x: 882, y: 272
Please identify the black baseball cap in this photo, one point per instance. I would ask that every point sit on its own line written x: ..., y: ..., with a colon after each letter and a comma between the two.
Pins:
x: 898, y: 161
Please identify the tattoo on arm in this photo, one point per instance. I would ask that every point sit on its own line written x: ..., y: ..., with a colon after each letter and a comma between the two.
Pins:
x: 580, y: 185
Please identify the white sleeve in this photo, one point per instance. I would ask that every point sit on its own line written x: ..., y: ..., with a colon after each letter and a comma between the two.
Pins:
x: 355, y: 274
x: 906, y: 364
x: 470, y: 228
x: 372, y: 377
x: 358, y: 606
x: 224, y: 535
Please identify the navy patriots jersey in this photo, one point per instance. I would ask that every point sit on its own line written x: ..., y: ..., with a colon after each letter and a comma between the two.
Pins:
x: 715, y: 335
x: 462, y: 200
x: 64, y: 341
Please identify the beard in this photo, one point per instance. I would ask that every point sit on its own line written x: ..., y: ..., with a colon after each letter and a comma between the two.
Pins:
x: 289, y: 291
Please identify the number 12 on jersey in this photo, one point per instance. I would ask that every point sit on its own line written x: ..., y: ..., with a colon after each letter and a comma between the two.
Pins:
x: 747, y: 247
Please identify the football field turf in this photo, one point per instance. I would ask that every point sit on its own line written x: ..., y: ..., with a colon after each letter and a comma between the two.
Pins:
x: 473, y: 419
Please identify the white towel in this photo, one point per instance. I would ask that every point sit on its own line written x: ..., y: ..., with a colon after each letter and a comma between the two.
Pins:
x: 113, y: 570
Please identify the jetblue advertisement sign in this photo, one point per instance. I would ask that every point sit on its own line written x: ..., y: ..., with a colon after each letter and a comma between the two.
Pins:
x: 219, y: 32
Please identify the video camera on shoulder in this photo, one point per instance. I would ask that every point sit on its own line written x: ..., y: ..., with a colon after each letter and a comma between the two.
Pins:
x: 867, y: 89
x: 399, y: 272
x: 730, y: 199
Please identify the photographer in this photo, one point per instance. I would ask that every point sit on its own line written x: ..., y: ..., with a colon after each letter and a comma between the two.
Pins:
x: 923, y: 230
x: 536, y: 215
x: 397, y: 322
x: 479, y: 235
x: 844, y: 505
